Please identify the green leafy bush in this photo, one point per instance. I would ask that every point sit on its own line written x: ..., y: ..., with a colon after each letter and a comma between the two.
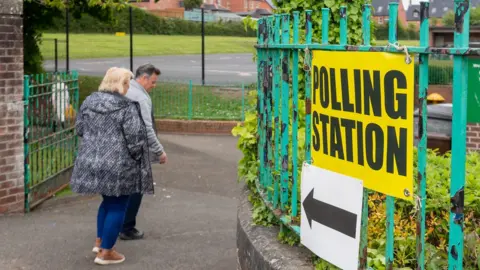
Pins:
x: 146, y: 23
x: 437, y: 206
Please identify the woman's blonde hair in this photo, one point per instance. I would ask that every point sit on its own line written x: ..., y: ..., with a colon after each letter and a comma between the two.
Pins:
x: 114, y: 79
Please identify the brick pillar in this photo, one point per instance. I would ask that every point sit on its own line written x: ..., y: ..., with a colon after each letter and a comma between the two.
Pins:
x: 473, y: 137
x: 11, y: 107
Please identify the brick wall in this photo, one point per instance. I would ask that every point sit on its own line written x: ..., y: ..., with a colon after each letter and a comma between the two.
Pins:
x: 11, y: 107
x: 473, y: 137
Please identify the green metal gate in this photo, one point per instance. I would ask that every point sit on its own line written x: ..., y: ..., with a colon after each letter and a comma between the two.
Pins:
x: 51, y: 102
x: 278, y: 97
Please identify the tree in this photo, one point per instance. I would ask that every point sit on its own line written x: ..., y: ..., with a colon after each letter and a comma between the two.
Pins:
x: 191, y: 4
x: 40, y: 13
x: 449, y: 17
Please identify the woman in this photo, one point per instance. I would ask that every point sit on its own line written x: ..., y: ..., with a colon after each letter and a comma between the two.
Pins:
x: 112, y: 159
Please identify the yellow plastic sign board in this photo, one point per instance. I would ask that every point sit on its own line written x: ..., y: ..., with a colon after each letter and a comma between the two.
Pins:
x: 362, y: 118
x: 120, y: 34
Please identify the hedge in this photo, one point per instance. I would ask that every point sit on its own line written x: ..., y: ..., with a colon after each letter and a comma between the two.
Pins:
x: 149, y: 24
x: 410, y: 32
x: 437, y: 74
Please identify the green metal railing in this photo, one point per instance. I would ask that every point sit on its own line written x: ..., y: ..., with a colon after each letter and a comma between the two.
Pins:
x: 278, y: 107
x: 51, y: 102
x: 192, y: 102
x: 440, y: 71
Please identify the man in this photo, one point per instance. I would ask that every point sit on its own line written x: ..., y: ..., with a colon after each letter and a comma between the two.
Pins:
x: 145, y: 80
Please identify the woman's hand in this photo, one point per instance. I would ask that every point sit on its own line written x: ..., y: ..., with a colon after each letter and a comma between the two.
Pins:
x: 163, y: 158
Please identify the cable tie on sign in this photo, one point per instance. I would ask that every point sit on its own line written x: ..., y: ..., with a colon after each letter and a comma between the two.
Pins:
x: 417, y: 206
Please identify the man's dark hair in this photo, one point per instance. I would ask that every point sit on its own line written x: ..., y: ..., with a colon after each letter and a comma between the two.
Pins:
x: 147, y: 69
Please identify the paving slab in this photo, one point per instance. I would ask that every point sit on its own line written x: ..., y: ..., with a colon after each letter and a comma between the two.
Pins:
x: 189, y: 224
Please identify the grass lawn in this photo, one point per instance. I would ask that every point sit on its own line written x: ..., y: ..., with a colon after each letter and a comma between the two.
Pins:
x: 171, y: 100
x: 108, y: 45
x: 400, y: 42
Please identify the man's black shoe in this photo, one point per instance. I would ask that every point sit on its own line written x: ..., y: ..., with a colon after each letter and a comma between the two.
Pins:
x: 132, y: 234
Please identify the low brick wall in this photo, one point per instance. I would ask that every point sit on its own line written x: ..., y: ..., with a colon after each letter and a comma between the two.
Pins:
x: 195, y: 126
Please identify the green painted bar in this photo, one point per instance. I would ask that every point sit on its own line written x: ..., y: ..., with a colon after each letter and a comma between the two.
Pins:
x: 363, y: 256
x: 343, y: 25
x: 276, y: 102
x: 325, y: 25
x: 269, y: 129
x: 260, y: 129
x: 389, y: 252
x: 190, y: 100
x: 243, y: 102
x: 459, y: 124
x: 43, y: 120
x: 63, y: 142
x: 308, y: 86
x: 422, y: 145
x: 26, y: 123
x: 284, y: 111
x: 296, y: 21
x: 465, y: 51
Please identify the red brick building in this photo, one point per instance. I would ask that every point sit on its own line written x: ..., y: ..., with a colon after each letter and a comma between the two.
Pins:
x: 231, y: 5
x: 160, y: 5
x: 238, y: 6
x: 380, y: 12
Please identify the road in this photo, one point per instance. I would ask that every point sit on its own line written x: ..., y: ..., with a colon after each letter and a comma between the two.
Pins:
x: 189, y: 224
x: 224, y: 69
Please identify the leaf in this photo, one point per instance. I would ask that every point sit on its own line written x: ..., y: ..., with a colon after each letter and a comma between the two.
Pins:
x: 329, y: 3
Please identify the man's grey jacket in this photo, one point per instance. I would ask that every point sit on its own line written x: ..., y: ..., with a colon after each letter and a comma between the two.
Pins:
x: 137, y: 93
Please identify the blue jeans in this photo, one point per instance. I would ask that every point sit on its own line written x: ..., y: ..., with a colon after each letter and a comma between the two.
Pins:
x: 111, y: 215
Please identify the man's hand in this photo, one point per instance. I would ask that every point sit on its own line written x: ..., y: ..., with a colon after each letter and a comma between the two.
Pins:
x: 163, y: 158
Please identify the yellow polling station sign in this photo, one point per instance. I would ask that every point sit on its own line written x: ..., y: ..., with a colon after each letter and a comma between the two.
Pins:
x: 362, y: 118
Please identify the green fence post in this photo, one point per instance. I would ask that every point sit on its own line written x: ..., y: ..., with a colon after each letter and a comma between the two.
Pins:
x: 459, y: 125
x: 422, y: 134
x: 308, y: 87
x: 363, y: 256
x: 76, y: 107
x: 190, y: 100
x: 325, y: 24
x: 260, y: 110
x: 390, y: 204
x: 295, y: 115
x: 267, y: 86
x: 26, y: 131
x: 243, y: 102
x: 276, y: 102
x: 285, y: 108
x: 343, y: 25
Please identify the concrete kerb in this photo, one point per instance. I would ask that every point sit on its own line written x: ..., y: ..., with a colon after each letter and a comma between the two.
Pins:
x: 258, y: 247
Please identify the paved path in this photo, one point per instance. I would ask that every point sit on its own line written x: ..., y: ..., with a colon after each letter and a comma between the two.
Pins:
x: 219, y: 68
x: 189, y: 224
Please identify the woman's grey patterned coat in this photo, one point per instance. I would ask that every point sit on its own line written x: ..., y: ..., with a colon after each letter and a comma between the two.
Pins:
x: 113, y: 156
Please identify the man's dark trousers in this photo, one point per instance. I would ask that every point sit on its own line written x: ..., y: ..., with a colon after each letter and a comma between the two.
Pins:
x: 132, y: 211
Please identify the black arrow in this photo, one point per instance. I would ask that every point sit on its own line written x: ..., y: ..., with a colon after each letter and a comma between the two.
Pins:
x: 331, y: 216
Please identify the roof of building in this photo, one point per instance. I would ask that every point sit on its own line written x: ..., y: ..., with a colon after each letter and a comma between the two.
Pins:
x: 257, y: 13
x: 413, y: 13
x: 381, y: 7
x: 437, y: 9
